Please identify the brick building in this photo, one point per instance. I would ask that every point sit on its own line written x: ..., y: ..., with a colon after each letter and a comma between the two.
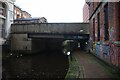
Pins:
x: 19, y: 13
x: 104, y: 40
x: 26, y: 14
x: 86, y: 13
x: 30, y: 20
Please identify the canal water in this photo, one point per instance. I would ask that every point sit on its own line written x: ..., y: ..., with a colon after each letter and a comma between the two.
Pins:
x: 35, y: 66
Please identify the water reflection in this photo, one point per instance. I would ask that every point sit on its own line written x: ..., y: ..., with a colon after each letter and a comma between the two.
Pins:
x: 47, y: 65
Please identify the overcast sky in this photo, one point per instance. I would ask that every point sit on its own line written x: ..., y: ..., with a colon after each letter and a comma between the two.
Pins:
x: 54, y: 10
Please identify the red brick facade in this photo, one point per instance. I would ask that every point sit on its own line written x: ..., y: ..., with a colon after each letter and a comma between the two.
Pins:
x: 19, y: 13
x: 86, y: 13
x: 105, y: 31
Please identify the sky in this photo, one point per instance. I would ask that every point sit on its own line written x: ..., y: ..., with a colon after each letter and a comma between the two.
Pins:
x: 54, y: 10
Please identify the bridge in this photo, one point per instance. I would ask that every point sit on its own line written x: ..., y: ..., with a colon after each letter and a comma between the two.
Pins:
x: 26, y: 37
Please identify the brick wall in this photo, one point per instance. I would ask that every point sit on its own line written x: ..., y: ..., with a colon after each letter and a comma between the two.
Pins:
x: 109, y: 50
x: 19, y: 13
x: 85, y: 13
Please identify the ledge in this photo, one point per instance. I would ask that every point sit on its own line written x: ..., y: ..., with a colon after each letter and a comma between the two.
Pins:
x: 74, y: 71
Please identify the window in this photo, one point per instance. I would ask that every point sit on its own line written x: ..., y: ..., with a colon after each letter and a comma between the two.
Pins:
x: 2, y: 28
x: 106, y: 22
x: 119, y: 11
x: 98, y: 19
x: 18, y: 16
x: 1, y: 9
x: 119, y: 19
x: 2, y: 20
x: 93, y: 29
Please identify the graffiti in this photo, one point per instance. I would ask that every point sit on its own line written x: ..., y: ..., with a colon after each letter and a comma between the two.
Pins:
x: 98, y: 50
x: 106, y: 50
x: 106, y: 53
x: 111, y: 31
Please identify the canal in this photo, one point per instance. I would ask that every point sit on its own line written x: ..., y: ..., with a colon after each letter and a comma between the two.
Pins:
x: 47, y: 64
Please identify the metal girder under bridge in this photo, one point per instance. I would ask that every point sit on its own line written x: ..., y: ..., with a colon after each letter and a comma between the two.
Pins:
x: 56, y: 35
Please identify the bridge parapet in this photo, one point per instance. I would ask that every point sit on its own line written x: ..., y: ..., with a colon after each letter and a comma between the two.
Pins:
x: 82, y: 28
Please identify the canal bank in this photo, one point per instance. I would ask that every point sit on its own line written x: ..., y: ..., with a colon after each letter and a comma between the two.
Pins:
x: 74, y: 69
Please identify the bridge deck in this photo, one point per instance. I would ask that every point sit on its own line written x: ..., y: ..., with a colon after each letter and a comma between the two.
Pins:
x: 82, y: 28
